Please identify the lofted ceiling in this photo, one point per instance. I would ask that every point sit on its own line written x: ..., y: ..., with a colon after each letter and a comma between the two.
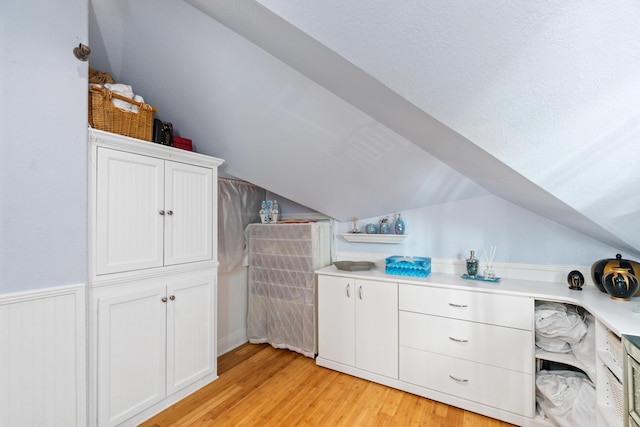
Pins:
x: 364, y: 108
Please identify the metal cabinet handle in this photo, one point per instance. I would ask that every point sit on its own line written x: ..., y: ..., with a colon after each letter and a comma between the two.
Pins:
x: 460, y: 380
x: 161, y: 212
x: 458, y: 339
x: 348, y: 290
x: 164, y: 299
x: 169, y: 212
x: 360, y: 292
x: 458, y: 305
x: 172, y: 297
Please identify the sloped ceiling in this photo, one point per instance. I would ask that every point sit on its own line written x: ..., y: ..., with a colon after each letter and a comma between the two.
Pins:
x: 363, y: 108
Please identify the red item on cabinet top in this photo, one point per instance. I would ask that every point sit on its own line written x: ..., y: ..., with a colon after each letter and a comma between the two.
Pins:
x: 182, y: 143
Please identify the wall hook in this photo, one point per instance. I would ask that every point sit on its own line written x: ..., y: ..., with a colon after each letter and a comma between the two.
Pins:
x: 82, y: 52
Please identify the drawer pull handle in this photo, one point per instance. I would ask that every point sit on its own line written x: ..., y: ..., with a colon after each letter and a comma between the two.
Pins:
x: 348, y: 292
x: 458, y: 339
x: 360, y: 292
x: 458, y: 305
x: 460, y: 380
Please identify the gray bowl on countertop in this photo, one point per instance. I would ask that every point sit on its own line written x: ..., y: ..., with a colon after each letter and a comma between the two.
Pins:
x: 354, y: 265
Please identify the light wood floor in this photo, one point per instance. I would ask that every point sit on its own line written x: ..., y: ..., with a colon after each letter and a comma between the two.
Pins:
x: 262, y: 386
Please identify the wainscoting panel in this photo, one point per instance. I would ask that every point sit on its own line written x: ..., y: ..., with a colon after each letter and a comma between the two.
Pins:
x: 232, y: 309
x: 43, y: 358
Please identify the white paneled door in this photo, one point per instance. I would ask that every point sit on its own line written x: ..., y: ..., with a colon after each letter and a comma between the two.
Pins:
x: 131, y: 365
x: 336, y: 319
x: 189, y: 216
x: 129, y: 212
x: 377, y: 327
x: 190, y: 332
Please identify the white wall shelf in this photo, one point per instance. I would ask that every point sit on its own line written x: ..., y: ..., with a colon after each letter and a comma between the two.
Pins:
x: 373, y: 238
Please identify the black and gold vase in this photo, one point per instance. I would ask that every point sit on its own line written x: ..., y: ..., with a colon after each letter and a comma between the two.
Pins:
x: 575, y: 280
x: 619, y: 283
x: 598, y: 269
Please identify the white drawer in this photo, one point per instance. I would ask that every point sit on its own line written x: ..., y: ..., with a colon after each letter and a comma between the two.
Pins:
x: 496, y: 387
x: 493, y: 345
x: 495, y: 309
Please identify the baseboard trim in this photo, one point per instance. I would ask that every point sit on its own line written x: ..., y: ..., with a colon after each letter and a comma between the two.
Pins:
x: 232, y: 341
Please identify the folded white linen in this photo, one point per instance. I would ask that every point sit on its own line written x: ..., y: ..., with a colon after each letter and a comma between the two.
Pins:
x: 127, y: 92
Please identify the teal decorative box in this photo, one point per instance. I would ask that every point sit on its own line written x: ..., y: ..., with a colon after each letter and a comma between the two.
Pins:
x: 408, y: 266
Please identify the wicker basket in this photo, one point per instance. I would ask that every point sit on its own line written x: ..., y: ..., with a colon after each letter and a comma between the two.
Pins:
x: 615, y: 349
x: 616, y: 393
x: 103, y: 115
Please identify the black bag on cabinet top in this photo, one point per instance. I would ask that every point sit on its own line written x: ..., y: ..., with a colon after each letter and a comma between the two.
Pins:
x: 162, y: 132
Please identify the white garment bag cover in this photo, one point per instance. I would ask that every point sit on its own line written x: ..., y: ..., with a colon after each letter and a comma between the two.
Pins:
x: 567, y: 398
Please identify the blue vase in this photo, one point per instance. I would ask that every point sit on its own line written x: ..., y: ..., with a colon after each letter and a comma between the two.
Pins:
x: 371, y: 228
x: 385, y: 227
x: 399, y: 226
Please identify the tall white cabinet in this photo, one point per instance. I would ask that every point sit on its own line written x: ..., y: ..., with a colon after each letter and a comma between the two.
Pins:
x: 153, y: 270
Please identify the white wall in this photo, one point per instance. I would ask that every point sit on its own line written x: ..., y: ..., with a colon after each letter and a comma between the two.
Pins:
x: 549, y: 89
x: 43, y: 213
x: 446, y: 229
x: 450, y: 231
x: 43, y: 162
x: 249, y: 87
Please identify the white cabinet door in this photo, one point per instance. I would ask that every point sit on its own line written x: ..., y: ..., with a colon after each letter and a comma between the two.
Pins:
x: 189, y: 213
x: 358, y: 323
x: 131, y: 353
x: 190, y: 332
x: 129, y: 226
x: 377, y: 327
x: 336, y: 319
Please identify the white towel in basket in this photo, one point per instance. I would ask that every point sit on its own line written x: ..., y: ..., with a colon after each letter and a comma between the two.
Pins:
x: 127, y: 92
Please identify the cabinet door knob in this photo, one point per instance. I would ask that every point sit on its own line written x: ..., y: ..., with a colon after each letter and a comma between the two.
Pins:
x: 161, y: 212
x: 458, y: 305
x: 164, y: 299
x: 458, y: 339
x: 348, y: 290
x: 460, y: 380
x: 172, y: 297
x: 169, y: 212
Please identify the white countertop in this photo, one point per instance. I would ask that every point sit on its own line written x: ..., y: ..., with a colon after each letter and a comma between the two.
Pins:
x: 618, y: 316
